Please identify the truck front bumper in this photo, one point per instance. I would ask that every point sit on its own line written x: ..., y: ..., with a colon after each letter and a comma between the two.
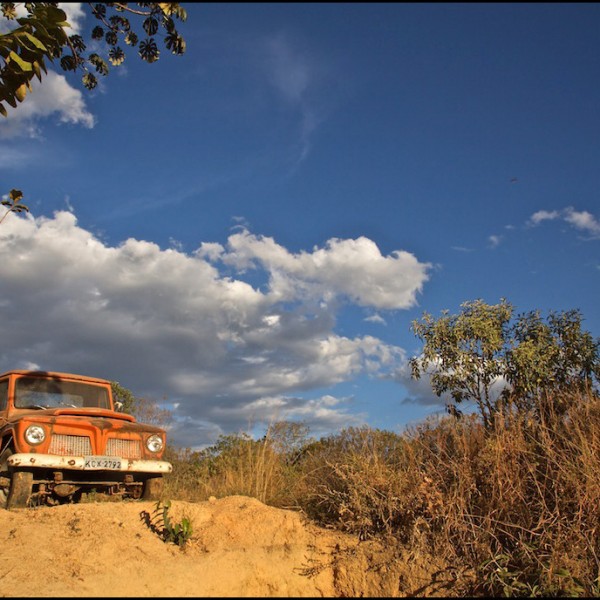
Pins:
x: 83, y: 463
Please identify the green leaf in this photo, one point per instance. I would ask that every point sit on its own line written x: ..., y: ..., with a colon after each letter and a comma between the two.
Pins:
x: 116, y: 56
x: 111, y: 38
x: 21, y: 92
x: 24, y: 65
x: 562, y: 572
x: 37, y: 43
x: 131, y: 39
x: 10, y: 98
x: 89, y: 81
x: 99, y: 10
x: 149, y: 51
x: 68, y: 63
x: 8, y: 10
x: 58, y: 15
x: 36, y: 70
x: 150, y: 26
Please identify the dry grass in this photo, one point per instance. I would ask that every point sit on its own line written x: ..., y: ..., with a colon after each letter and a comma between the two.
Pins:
x: 517, y: 509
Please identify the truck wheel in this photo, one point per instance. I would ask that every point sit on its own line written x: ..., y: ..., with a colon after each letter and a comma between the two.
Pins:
x: 20, y: 489
x: 5, y: 477
x: 153, y: 488
x: 15, y: 486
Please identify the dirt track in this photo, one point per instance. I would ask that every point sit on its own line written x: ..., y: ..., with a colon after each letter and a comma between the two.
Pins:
x: 239, y: 547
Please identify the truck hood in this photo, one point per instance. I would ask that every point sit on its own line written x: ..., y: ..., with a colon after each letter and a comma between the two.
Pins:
x: 97, y: 417
x: 77, y: 412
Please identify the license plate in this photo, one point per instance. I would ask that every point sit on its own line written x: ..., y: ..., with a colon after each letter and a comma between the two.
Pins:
x: 102, y: 462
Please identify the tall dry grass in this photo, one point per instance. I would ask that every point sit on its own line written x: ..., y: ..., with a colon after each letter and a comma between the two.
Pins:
x: 517, y: 508
x: 237, y: 464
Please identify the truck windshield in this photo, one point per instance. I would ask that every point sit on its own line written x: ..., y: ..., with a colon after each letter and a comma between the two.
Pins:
x: 35, y: 392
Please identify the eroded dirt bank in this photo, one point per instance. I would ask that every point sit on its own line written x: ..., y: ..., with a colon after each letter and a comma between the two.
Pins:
x: 239, y: 547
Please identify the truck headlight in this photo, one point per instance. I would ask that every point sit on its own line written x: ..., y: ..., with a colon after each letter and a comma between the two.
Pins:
x: 154, y: 443
x: 35, y: 435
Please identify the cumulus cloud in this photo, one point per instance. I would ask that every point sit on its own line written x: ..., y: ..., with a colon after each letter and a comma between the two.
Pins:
x: 73, y: 10
x: 583, y: 221
x: 53, y: 96
x: 171, y: 325
x: 75, y: 15
x: 355, y: 269
x: 420, y: 391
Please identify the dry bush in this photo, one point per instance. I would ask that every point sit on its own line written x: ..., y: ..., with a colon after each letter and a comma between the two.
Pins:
x: 361, y: 481
x: 517, y: 506
x: 238, y: 465
x: 520, y: 504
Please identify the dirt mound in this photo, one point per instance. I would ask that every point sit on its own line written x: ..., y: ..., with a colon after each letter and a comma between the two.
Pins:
x: 239, y: 547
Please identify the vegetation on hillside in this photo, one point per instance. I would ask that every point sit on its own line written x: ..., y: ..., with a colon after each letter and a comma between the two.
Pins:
x: 512, y: 512
x: 508, y: 496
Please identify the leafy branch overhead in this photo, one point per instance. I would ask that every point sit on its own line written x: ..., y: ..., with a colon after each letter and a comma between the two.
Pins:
x: 42, y: 35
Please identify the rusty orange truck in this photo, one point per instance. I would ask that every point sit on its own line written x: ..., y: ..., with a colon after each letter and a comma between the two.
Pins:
x: 61, y: 436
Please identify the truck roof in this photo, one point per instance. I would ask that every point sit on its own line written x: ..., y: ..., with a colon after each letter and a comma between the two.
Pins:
x: 55, y: 375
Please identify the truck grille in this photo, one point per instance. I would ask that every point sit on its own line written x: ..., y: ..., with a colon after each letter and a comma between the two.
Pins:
x: 80, y: 445
x: 123, y: 448
x: 70, y: 445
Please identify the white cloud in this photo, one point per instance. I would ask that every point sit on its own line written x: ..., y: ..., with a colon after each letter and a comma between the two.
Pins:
x: 420, y: 391
x: 73, y: 10
x: 376, y: 318
x: 294, y: 76
x: 75, y: 15
x: 289, y: 71
x: 53, y: 96
x: 494, y: 240
x: 355, y: 269
x: 583, y: 220
x: 543, y: 215
x: 168, y: 324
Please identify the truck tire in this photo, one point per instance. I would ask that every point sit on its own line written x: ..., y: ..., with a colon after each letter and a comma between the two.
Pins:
x: 5, y: 477
x: 153, y: 488
x: 21, y: 487
x: 15, y: 486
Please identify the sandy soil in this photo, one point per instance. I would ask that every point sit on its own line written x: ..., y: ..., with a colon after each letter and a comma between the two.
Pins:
x: 239, y: 547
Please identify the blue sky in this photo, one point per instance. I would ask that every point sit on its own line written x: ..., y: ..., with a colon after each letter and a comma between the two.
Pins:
x: 246, y: 232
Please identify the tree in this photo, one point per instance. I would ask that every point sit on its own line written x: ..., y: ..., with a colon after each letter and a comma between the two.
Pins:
x: 42, y: 35
x: 465, y: 351
x: 467, y: 354
x: 550, y: 358
x: 143, y: 409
